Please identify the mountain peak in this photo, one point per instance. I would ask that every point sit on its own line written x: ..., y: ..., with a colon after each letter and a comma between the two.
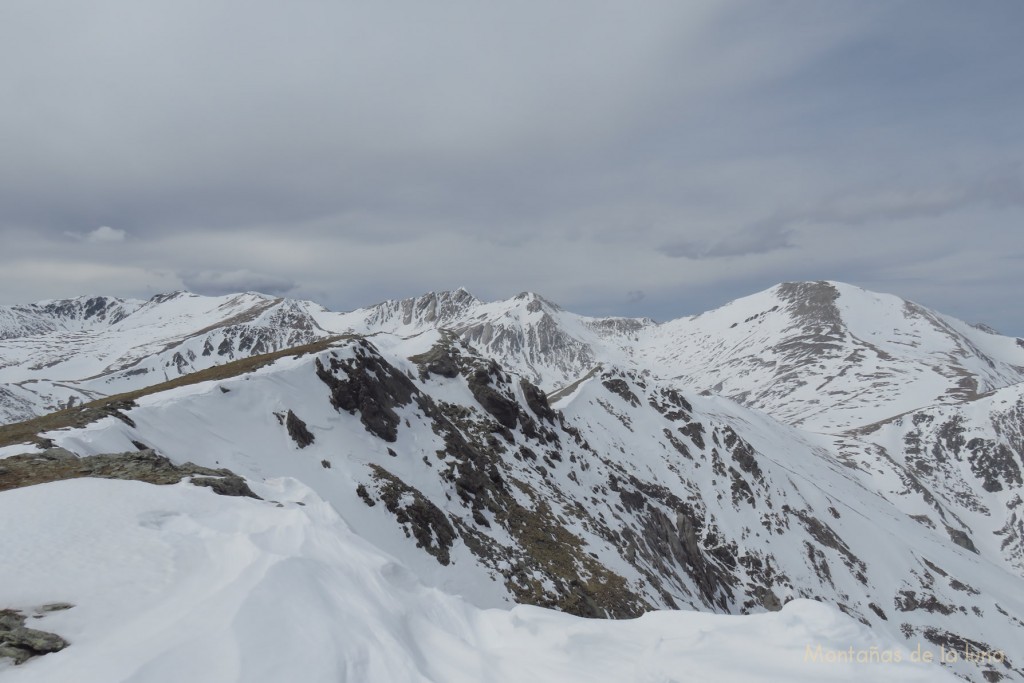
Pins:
x: 169, y: 296
x: 535, y: 302
x: 430, y: 309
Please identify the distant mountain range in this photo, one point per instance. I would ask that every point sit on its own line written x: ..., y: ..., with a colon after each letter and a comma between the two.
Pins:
x: 822, y: 355
x: 814, y: 440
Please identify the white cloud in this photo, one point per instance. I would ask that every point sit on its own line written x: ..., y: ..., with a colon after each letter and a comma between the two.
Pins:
x: 101, y: 235
x: 105, y: 234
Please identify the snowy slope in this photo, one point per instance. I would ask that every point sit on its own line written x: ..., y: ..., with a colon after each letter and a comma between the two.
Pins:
x: 175, y: 583
x: 959, y: 465
x: 630, y: 496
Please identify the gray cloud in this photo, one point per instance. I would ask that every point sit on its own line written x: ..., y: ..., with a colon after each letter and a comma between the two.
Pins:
x: 351, y: 152
x: 101, y: 235
x: 756, y: 239
x: 1001, y: 188
x: 226, y: 282
x: 105, y: 234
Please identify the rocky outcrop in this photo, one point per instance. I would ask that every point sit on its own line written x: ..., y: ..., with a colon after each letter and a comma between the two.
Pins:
x: 298, y: 431
x: 57, y: 464
x: 485, y: 383
x: 420, y: 518
x: 19, y: 643
x: 443, y: 359
x: 366, y: 384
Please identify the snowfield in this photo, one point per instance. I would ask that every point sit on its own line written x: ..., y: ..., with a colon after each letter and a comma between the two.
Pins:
x: 175, y: 583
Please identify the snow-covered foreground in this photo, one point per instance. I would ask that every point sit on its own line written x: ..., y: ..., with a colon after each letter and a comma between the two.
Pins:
x: 175, y: 583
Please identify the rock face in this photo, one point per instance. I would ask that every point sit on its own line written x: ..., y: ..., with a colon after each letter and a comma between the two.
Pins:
x: 363, y: 384
x: 298, y: 431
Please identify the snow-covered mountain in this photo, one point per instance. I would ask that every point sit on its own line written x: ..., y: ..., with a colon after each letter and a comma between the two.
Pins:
x: 57, y: 354
x: 811, y: 441
x: 825, y: 356
x: 829, y: 356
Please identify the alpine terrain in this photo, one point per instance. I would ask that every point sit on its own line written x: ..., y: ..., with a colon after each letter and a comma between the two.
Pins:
x: 815, y: 482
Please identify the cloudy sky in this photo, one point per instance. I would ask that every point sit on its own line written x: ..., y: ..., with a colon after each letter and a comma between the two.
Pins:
x: 651, y: 158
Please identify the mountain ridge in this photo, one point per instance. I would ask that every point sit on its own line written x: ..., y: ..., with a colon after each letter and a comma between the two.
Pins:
x: 820, y: 354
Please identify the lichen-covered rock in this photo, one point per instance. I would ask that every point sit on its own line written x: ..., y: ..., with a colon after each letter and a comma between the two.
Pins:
x: 441, y: 359
x: 20, y: 643
x: 231, y: 485
x: 57, y: 464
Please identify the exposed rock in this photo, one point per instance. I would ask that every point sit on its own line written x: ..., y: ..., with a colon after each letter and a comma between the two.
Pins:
x: 440, y: 360
x: 504, y: 409
x: 909, y: 601
x: 57, y: 464
x: 231, y: 485
x: 553, y: 556
x: 968, y: 649
x: 20, y: 643
x: 695, y: 431
x: 298, y: 431
x: 961, y: 538
x: 767, y: 598
x: 365, y: 495
x: 994, y: 463
x: 621, y: 388
x: 827, y: 537
x: 742, y: 452
x: 426, y: 522
x: 672, y: 405
x: 55, y: 607
x: 963, y: 587
x: 370, y: 386
x: 537, y: 401
x: 878, y: 610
